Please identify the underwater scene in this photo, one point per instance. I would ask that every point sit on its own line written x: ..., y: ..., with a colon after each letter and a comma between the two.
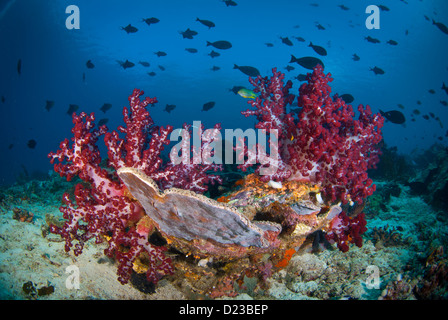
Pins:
x: 223, y: 150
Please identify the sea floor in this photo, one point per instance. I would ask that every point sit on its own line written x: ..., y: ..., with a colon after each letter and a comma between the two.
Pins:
x: 401, y: 258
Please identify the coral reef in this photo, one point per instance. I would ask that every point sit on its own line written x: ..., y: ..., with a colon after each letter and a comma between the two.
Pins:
x: 383, y: 236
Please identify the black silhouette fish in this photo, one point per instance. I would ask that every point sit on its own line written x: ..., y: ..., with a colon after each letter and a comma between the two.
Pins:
x: 152, y: 73
x: 160, y: 53
x: 307, y: 62
x: 289, y: 68
x: 49, y: 105
x: 129, y: 29
x: 372, y: 40
x: 394, y: 116
x: 170, y: 107
x: 300, y: 39
x: 150, y: 21
x: 207, y: 106
x: 269, y: 45
x: 426, y: 117
x: 347, y: 97
x: 3, y: 99
x: 215, y: 68
x: 318, y: 49
x: 248, y: 70
x: 377, y: 70
x: 444, y: 103
x: 355, y: 57
x: 191, y: 50
x: 221, y: 44
x: 286, y: 41
x: 102, y: 122
x: 416, y: 112
x: 214, y: 54
x: 127, y: 64
x: 445, y: 88
x: 319, y: 26
x: 144, y: 63
x: 301, y: 77
x: 90, y: 65
x: 206, y: 23
x: 106, y: 107
x: 161, y: 67
x: 392, y: 42
x: 383, y: 8
x: 19, y: 66
x: 230, y: 3
x: 441, y: 26
x: 83, y: 77
x: 72, y: 108
x: 188, y: 34
x: 431, y: 91
x: 343, y: 7
x: 31, y: 144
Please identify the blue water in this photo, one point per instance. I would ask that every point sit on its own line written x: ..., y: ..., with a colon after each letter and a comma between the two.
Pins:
x: 54, y: 60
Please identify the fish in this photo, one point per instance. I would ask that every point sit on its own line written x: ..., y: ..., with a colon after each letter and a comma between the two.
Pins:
x: 31, y: 143
x: 83, y: 77
x: 126, y: 64
x: 106, y: 107
x: 445, y: 88
x: 3, y: 99
x: 144, y: 63
x: 235, y: 89
x: 206, y: 23
x: 318, y: 49
x: 170, y: 107
x: 90, y: 65
x: 269, y: 45
x: 377, y: 70
x: 319, y: 26
x: 160, y: 53
x: 419, y: 102
x: 426, y: 117
x: 289, y: 68
x: 162, y: 68
x: 432, y: 115
x: 400, y: 106
x: 221, y: 44
x: 416, y: 112
x: 19, y: 67
x: 372, y: 40
x: 347, y: 97
x: 443, y: 102
x: 286, y: 41
x: 230, y: 3
x: 355, y: 57
x: 343, y: 7
x: 102, y: 122
x: 188, y: 34
x: 301, y: 77
x: 191, y: 50
x: 392, y: 42
x: 72, y: 108
x: 247, y: 70
x: 441, y: 26
x: 207, y: 106
x: 49, y: 105
x: 394, y: 116
x: 307, y: 62
x: 129, y: 29
x: 150, y: 21
x: 215, y: 68
x: 152, y: 73
x: 246, y: 93
x: 11, y: 146
x: 383, y: 8
x: 300, y: 39
x: 214, y: 54
x: 431, y: 91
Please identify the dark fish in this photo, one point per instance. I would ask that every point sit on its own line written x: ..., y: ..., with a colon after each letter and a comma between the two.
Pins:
x: 152, y: 73
x: 214, y: 54
x: 443, y: 102
x: 286, y: 41
x: 222, y: 44
x: 383, y: 8
x: 49, y: 105
x: 432, y: 91
x: 445, y: 88
x: 11, y: 146
x: 343, y: 7
x: 318, y: 49
x: 432, y: 115
x: 419, y: 102
x: 426, y: 18
x: 160, y: 53
x: 426, y: 117
x: 301, y: 77
x: 441, y: 26
x: 319, y: 26
x: 356, y: 57
x: 161, y: 67
x: 206, y: 23
x: 372, y: 40
x: 300, y: 39
x: 129, y: 29
x: 400, y: 106
x: 144, y: 63
x: 307, y: 62
x: 19, y: 66
x: 215, y: 68
x: 392, y: 42
x: 289, y: 68
x: 102, y: 122
x: 377, y: 70
x: 406, y: 32
x: 150, y: 21
x: 347, y: 97
x: 230, y: 3
x: 248, y: 70
x: 106, y: 107
x: 31, y: 144
x: 90, y: 65
x: 188, y: 34
x: 83, y: 77
x: 126, y: 64
x: 72, y: 108
x: 416, y: 112
x: 394, y: 116
x: 269, y: 45
x: 191, y: 50
x: 3, y: 99
x: 170, y: 107
x: 207, y: 106
x: 235, y: 89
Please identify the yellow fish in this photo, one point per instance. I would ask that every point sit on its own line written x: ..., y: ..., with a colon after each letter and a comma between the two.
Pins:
x: 246, y: 93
